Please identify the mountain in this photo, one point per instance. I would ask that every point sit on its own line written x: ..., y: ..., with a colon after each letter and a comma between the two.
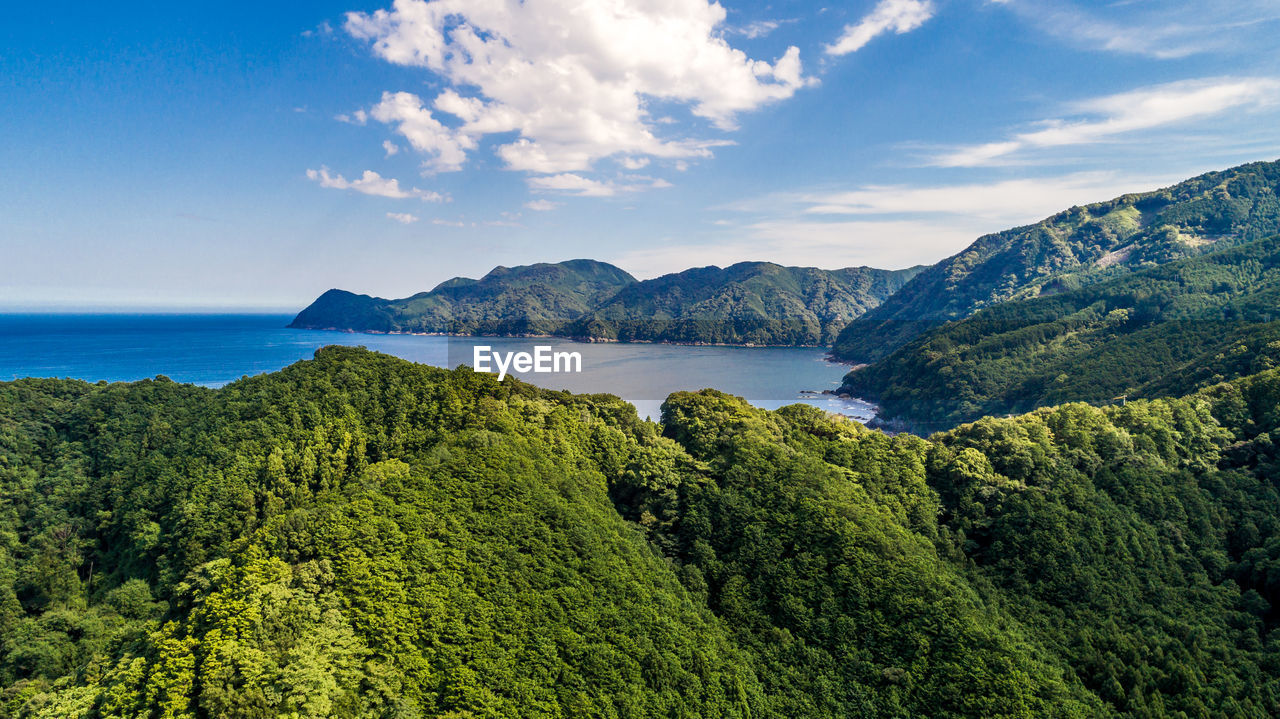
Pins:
x: 530, y: 299
x: 359, y: 536
x: 1074, y: 248
x: 1163, y: 331
x: 746, y: 303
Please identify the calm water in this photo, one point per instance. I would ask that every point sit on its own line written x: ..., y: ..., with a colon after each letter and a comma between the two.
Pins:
x: 213, y: 350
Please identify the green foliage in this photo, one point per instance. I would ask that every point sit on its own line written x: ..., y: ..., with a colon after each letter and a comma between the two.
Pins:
x: 357, y: 536
x: 1163, y: 331
x: 1072, y: 249
x: 815, y: 542
x: 353, y: 536
x: 748, y: 303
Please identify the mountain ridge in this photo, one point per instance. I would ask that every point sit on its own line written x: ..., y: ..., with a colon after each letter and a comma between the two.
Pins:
x: 1073, y: 248
x: 1165, y: 330
x: 751, y: 303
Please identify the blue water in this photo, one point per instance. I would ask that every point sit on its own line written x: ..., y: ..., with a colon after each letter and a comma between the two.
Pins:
x: 213, y: 350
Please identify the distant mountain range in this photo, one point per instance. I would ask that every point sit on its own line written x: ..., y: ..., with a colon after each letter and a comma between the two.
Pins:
x: 1074, y: 248
x: 747, y: 303
x: 1150, y: 294
x: 530, y: 300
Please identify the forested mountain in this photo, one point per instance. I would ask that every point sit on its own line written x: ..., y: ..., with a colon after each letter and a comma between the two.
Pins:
x: 747, y: 303
x: 750, y: 302
x: 530, y: 299
x: 1166, y: 330
x: 358, y: 536
x: 1074, y: 248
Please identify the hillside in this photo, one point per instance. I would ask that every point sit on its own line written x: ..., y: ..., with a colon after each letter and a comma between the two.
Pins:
x: 747, y: 303
x: 1074, y: 248
x: 1166, y: 330
x: 359, y: 536
x: 530, y: 299
x: 750, y: 302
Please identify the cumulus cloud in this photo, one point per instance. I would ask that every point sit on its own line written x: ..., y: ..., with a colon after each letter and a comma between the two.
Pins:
x: 447, y: 148
x: 371, y: 183
x: 898, y: 16
x: 541, y: 205
x: 403, y: 218
x: 1102, y: 118
x: 571, y: 80
x: 390, y: 147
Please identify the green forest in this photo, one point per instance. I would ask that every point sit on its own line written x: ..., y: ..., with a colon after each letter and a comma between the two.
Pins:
x: 1161, y: 331
x: 359, y: 536
x: 747, y: 303
x: 757, y: 303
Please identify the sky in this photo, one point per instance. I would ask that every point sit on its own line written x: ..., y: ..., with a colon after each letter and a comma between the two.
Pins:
x: 167, y: 156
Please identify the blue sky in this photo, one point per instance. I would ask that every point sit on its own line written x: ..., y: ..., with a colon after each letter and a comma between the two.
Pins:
x: 225, y: 155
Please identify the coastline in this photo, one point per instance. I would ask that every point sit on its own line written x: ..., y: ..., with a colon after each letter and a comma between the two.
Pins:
x: 832, y: 394
x: 584, y: 340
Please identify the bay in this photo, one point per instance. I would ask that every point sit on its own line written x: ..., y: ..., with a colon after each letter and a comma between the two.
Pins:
x: 212, y: 350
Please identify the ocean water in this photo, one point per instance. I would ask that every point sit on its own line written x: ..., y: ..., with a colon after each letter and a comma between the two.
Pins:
x: 213, y: 350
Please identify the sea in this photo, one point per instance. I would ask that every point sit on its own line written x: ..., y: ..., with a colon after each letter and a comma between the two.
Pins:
x: 215, y: 349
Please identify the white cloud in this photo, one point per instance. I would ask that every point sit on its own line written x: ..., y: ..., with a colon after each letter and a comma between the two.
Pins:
x: 571, y: 79
x: 1103, y: 118
x: 449, y: 223
x: 359, y: 117
x: 1164, y: 30
x: 323, y: 28
x: 573, y: 184
x: 756, y: 29
x: 390, y: 147
x: 403, y: 218
x: 1002, y: 202
x: 899, y: 16
x: 371, y: 183
x: 541, y: 205
x: 447, y: 147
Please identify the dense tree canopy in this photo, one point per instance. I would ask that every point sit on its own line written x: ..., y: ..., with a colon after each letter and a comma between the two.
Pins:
x: 746, y: 303
x: 357, y: 536
x: 1157, y: 332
